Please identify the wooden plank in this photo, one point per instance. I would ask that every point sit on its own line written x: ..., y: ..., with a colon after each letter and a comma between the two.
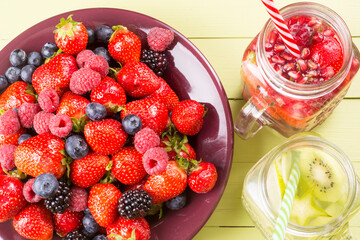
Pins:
x: 201, y: 18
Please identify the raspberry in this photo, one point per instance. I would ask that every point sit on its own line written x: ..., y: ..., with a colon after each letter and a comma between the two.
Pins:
x: 28, y: 192
x: 7, y: 156
x: 145, y: 139
x: 49, y: 100
x: 9, y: 123
x: 78, y: 199
x: 160, y: 38
x: 155, y: 160
x: 41, y: 122
x: 60, y: 125
x: 83, y: 57
x: 84, y: 80
x: 98, y: 64
x: 27, y: 112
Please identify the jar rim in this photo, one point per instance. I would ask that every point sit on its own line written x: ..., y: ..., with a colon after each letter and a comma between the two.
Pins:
x: 341, y: 158
x: 306, y: 91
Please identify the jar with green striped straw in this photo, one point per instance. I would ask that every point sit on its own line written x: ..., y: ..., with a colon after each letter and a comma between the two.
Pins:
x: 305, y: 188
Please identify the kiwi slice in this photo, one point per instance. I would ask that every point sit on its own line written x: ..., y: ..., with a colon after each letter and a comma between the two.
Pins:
x: 321, y: 173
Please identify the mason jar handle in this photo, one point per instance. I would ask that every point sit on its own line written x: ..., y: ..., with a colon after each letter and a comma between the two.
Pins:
x: 248, y: 121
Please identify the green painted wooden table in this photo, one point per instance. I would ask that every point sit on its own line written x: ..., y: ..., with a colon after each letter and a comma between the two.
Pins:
x: 221, y: 30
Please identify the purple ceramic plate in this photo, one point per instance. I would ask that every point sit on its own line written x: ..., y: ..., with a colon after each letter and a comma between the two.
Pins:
x: 191, y: 76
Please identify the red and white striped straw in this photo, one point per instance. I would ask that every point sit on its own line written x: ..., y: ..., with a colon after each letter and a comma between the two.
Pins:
x: 282, y: 28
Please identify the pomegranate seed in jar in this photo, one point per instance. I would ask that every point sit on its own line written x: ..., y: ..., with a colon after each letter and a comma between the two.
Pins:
x: 268, y: 47
x: 294, y: 75
x: 302, y: 64
x: 303, y: 80
x: 272, y: 38
x: 277, y: 59
x: 328, y: 33
x: 312, y: 65
x: 278, y: 48
x: 287, y: 56
x: 312, y: 73
x: 305, y: 53
x: 318, y: 37
x: 289, y: 66
x: 327, y: 72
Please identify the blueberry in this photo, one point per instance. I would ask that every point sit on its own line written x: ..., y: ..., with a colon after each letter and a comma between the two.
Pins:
x: 103, y: 33
x: 35, y: 59
x: 95, y: 111
x: 24, y: 137
x: 18, y: 57
x: 45, y: 185
x: 87, y: 211
x: 27, y: 72
x: 91, y: 227
x: 13, y: 74
x: 76, y: 147
x: 3, y: 83
x: 131, y: 124
x: 91, y: 36
x: 177, y: 202
x: 48, y: 49
x: 100, y: 237
x: 101, y: 51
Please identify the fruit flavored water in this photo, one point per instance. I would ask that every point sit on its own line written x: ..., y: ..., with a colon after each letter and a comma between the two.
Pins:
x: 327, y: 195
x: 295, y: 95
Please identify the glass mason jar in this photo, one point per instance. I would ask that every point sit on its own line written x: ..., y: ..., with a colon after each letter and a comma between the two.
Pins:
x: 284, y: 105
x: 260, y: 207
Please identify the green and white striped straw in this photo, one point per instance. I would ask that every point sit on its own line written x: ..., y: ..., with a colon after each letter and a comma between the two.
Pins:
x: 287, y: 202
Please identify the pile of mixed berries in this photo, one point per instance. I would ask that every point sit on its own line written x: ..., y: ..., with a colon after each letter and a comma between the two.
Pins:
x: 92, y: 142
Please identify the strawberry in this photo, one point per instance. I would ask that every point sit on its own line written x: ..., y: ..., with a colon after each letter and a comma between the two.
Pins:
x: 165, y: 94
x: 41, y: 154
x: 181, y: 148
x: 12, y: 199
x: 87, y: 171
x: 105, y: 137
x: 55, y: 74
x: 187, y: 117
x: 137, y: 229
x: 138, y: 80
x: 203, y: 178
x: 124, y: 46
x: 167, y: 184
x: 152, y: 112
x: 127, y: 166
x: 12, y: 139
x: 67, y: 222
x: 71, y: 36
x: 328, y: 52
x: 110, y: 94
x: 102, y: 203
x: 15, y: 95
x: 34, y: 222
x: 74, y: 106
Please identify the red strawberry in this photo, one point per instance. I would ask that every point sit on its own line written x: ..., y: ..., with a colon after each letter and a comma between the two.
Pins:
x: 12, y: 199
x: 167, y: 184
x: 55, y: 74
x: 152, y: 112
x: 34, y: 222
x: 15, y: 95
x: 137, y: 229
x: 203, y: 178
x: 124, y: 46
x: 12, y: 139
x: 105, y: 137
x: 74, y: 106
x: 102, y: 203
x: 138, y: 80
x: 67, y: 222
x: 127, y: 166
x: 70, y: 36
x: 87, y: 171
x: 187, y: 117
x: 166, y: 95
x: 41, y: 154
x: 110, y: 94
x: 181, y: 148
x: 328, y: 52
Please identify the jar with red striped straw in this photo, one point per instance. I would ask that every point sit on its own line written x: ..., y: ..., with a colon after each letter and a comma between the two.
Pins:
x: 294, y: 94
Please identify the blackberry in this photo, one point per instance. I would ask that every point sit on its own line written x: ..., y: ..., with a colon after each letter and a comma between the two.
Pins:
x: 156, y: 61
x: 134, y: 204
x: 75, y: 235
x: 61, y: 201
